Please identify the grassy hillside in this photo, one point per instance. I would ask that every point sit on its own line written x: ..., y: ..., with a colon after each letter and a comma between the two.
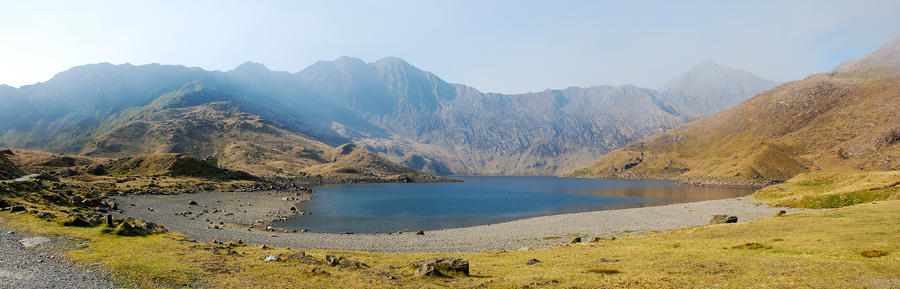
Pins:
x: 173, y: 165
x: 350, y: 160
x: 237, y: 140
x: 8, y: 169
x: 841, y: 121
x: 32, y: 161
x: 832, y: 190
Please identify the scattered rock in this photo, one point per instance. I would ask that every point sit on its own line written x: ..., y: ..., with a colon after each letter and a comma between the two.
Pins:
x: 331, y: 260
x: 420, y: 233
x: 15, y: 209
x: 723, y: 219
x: 607, y: 260
x: 575, y: 240
x: 271, y: 258
x: 596, y: 240
x: 46, y: 215
x: 779, y: 213
x: 442, y: 266
x: 532, y: 262
x: 33, y: 242
x: 263, y: 247
x: 192, y: 203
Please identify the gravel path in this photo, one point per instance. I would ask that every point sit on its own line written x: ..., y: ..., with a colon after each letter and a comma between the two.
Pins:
x: 42, y: 266
x: 546, y: 231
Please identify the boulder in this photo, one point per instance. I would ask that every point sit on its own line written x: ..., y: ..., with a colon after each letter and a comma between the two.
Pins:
x: 97, y: 170
x: 127, y: 229
x: 331, y: 260
x: 303, y: 258
x: 441, y: 266
x: 77, y: 221
x: 532, y: 262
x: 33, y: 242
x: 575, y: 240
x: 723, y: 219
x: 779, y: 213
x: 420, y: 233
x: 16, y: 209
x: 192, y: 203
x: 3, y: 203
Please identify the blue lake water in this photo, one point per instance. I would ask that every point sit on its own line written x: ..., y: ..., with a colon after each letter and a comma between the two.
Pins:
x: 367, y: 208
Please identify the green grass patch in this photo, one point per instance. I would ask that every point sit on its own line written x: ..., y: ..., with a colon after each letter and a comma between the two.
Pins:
x: 832, y: 190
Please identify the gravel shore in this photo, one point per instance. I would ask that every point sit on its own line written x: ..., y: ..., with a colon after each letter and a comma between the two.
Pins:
x: 42, y: 266
x: 236, y: 211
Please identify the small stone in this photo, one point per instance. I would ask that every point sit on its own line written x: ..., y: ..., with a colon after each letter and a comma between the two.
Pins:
x: 420, y: 233
x: 271, y: 258
x: 575, y: 240
x: 532, y: 262
x: 263, y: 247
x: 192, y: 203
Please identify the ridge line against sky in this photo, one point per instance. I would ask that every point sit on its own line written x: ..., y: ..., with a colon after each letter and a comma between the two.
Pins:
x: 498, y: 46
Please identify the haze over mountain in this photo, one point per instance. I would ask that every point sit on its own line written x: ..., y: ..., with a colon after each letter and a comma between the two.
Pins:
x: 847, y: 119
x: 258, y: 120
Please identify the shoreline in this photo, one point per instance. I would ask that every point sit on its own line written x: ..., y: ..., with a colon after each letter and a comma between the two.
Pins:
x: 245, y: 216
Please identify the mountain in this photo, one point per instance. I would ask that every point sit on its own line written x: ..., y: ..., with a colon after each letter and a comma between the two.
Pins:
x: 270, y: 122
x: 847, y: 119
x: 709, y: 87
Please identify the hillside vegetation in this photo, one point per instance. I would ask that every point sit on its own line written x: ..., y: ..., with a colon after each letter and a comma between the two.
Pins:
x: 846, y: 120
x: 8, y: 169
x: 173, y: 165
x: 832, y: 190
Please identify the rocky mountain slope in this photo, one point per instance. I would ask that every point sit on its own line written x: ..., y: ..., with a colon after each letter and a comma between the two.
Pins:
x: 267, y: 122
x: 844, y: 120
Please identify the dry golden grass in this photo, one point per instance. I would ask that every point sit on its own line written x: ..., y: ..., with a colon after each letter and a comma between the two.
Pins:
x: 820, y: 250
x: 832, y: 190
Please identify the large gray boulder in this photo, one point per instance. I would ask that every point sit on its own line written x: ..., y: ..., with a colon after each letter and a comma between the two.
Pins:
x: 441, y: 266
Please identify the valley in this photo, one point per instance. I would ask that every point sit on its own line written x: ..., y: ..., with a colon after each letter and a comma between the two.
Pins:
x: 380, y: 174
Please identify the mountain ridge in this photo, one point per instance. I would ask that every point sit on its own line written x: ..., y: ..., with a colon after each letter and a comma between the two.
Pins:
x: 405, y: 114
x: 840, y: 121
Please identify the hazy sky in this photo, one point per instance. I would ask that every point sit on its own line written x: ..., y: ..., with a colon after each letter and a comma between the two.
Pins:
x: 495, y: 46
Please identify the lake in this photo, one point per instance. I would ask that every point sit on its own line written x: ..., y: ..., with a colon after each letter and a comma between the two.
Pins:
x: 367, y: 208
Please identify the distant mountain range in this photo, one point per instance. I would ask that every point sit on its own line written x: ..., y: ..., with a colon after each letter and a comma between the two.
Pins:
x: 263, y: 121
x: 847, y: 119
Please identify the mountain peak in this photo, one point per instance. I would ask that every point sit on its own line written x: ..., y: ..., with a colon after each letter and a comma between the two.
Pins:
x: 250, y: 66
x: 886, y: 56
x: 709, y: 87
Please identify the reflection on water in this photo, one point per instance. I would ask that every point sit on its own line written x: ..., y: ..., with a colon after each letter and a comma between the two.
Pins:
x: 483, y: 200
